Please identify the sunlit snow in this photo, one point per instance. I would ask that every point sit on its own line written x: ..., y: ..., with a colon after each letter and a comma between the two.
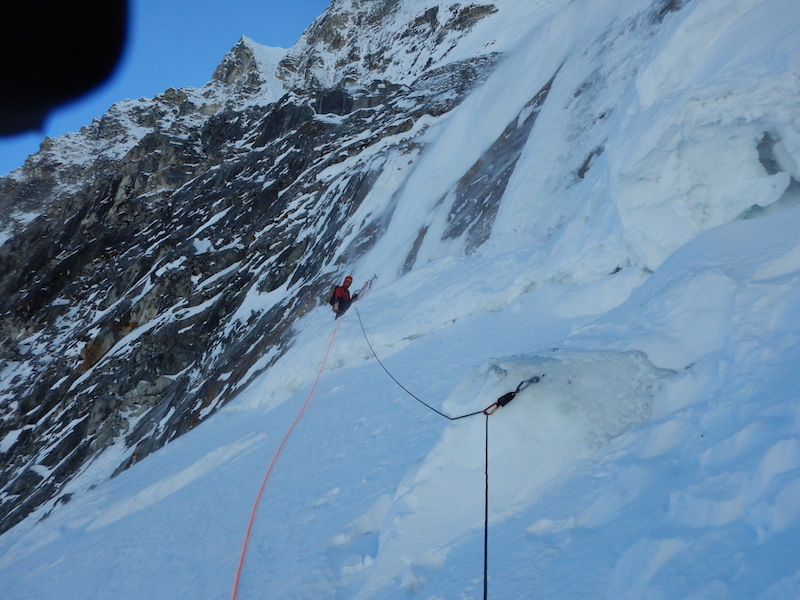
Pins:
x: 659, y: 295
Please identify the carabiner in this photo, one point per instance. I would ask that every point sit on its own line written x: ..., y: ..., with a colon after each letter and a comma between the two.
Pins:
x: 489, y: 410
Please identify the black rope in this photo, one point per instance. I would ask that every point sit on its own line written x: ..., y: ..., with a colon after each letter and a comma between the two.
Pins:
x: 438, y: 412
x: 489, y: 410
x: 486, y: 519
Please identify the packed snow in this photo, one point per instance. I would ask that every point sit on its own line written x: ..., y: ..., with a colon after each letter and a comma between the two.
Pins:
x: 658, y: 294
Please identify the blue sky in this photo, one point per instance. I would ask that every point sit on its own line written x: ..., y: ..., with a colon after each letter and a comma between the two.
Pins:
x: 174, y: 43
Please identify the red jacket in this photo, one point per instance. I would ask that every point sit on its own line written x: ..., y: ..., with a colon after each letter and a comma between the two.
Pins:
x: 341, y: 293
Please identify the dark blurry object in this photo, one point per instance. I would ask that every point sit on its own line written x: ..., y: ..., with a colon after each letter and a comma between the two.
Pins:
x: 52, y: 52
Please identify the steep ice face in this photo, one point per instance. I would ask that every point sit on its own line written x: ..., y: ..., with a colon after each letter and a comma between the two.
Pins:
x: 694, y: 148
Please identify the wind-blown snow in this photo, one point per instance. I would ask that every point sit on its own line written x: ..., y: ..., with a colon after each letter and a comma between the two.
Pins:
x: 658, y: 291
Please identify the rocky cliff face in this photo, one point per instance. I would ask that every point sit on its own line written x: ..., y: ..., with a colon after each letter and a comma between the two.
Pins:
x: 154, y: 262
x: 356, y: 41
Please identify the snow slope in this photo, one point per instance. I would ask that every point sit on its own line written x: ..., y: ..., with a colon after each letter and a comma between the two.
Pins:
x: 659, y: 457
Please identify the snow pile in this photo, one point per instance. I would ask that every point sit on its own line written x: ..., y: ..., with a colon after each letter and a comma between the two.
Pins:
x: 659, y: 457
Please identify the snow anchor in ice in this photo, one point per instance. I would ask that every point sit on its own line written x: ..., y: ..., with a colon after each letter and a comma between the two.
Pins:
x: 489, y: 410
x: 506, y: 398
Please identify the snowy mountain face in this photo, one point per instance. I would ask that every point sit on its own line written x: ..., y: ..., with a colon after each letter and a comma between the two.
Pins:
x: 153, y: 294
x: 602, y: 192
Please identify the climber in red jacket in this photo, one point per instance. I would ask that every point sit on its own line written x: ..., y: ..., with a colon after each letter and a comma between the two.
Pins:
x: 341, y: 299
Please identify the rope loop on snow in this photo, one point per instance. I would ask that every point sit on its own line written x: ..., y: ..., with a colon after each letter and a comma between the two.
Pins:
x: 402, y: 387
x: 489, y: 410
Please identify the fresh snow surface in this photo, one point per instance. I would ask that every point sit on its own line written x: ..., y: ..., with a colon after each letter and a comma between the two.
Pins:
x: 658, y: 458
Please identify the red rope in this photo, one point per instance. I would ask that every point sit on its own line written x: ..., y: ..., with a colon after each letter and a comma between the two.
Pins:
x: 272, y: 464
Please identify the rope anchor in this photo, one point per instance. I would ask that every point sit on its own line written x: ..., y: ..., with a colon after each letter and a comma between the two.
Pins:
x: 489, y: 410
x: 506, y: 398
